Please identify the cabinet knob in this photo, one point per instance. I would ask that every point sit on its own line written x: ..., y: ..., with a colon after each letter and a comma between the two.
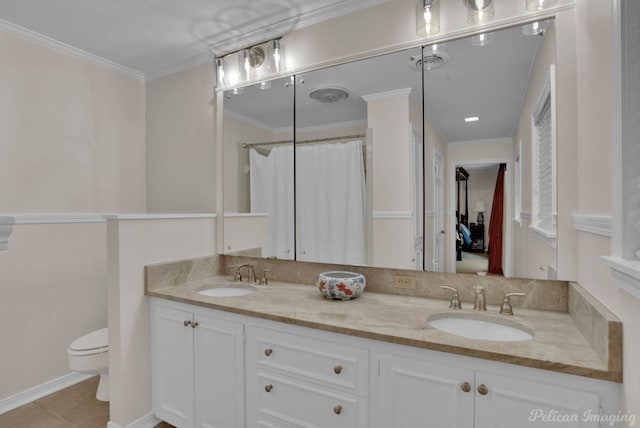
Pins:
x: 268, y: 388
x: 194, y: 324
x: 268, y: 352
x: 337, y: 369
x: 483, y: 390
x: 465, y: 387
x: 187, y: 323
x: 337, y: 410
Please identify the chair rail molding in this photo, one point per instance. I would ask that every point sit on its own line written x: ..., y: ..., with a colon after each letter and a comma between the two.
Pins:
x: 624, y: 261
x: 6, y: 227
x: 598, y: 225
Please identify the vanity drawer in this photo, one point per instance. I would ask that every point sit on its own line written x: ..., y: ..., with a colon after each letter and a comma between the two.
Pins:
x: 287, y: 402
x: 311, y: 359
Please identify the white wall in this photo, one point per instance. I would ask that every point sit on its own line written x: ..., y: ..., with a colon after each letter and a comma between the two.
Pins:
x: 180, y: 143
x: 52, y: 291
x: 132, y: 244
x: 389, y: 116
x: 594, y: 152
x: 71, y: 132
x: 72, y: 141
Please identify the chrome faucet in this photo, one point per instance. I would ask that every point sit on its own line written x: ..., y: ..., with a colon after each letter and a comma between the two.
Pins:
x: 480, y: 303
x: 455, y: 299
x: 251, y: 273
x: 506, y: 308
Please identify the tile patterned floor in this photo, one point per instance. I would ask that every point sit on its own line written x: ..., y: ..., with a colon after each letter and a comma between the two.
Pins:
x: 72, y: 407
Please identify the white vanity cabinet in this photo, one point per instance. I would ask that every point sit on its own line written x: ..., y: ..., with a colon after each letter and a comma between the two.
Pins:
x: 417, y: 392
x: 303, y: 380
x: 197, y: 366
x: 216, y: 369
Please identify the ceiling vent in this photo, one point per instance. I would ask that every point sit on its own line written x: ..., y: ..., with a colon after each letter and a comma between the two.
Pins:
x: 329, y: 94
x: 431, y: 60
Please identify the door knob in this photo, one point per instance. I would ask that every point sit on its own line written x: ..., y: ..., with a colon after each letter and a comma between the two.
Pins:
x: 268, y: 388
x: 187, y: 323
x: 337, y: 410
x: 268, y: 352
x: 465, y: 387
x: 194, y: 324
x: 337, y: 369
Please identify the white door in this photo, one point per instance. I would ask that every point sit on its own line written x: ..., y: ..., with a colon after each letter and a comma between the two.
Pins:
x: 219, y: 373
x: 417, y: 155
x: 417, y: 394
x: 438, y: 208
x: 172, y: 365
x: 509, y: 402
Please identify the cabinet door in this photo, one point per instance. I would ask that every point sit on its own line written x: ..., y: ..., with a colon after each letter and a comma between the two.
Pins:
x: 419, y: 394
x: 519, y: 402
x: 219, y: 373
x: 172, y: 365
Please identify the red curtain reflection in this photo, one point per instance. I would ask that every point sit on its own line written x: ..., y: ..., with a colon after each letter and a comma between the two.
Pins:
x: 495, y: 224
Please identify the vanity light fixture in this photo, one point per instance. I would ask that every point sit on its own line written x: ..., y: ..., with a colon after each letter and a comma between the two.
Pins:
x: 482, y: 39
x: 255, y: 62
x: 427, y: 17
x: 471, y: 119
x: 537, y: 5
x: 479, y: 11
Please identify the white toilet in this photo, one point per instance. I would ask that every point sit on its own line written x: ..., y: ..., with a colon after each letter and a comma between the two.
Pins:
x: 90, y: 354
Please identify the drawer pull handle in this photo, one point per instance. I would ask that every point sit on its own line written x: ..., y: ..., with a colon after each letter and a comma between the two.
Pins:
x: 337, y: 410
x: 187, y: 323
x: 465, y: 387
x: 483, y: 390
x: 194, y: 324
x: 268, y: 352
x: 337, y: 369
x: 268, y: 388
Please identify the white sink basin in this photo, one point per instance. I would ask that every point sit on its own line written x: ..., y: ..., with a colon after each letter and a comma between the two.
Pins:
x: 227, y: 290
x: 480, y: 327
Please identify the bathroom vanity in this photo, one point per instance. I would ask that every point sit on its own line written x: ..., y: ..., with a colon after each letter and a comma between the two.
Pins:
x: 285, y: 356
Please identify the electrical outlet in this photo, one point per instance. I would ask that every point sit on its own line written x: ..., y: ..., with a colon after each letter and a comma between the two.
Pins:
x: 406, y: 282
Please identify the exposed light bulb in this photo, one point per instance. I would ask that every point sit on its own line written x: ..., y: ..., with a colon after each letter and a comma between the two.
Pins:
x: 427, y: 19
x: 277, y: 59
x: 220, y: 71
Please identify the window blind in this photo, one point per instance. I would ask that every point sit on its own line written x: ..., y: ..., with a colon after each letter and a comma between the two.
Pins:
x: 545, y: 167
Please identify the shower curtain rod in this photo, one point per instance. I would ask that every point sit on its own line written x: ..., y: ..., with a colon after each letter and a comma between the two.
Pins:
x: 315, y: 140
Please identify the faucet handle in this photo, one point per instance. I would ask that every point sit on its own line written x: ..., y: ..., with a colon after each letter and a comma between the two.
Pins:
x: 237, y: 275
x: 506, y: 308
x: 455, y: 299
x: 264, y: 280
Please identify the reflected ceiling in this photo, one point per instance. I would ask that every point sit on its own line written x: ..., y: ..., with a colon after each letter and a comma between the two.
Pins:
x: 454, y: 90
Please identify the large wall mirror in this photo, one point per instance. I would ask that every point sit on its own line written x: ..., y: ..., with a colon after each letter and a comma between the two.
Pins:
x: 375, y: 180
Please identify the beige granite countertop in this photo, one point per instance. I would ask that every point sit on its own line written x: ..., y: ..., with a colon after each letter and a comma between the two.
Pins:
x: 557, y: 345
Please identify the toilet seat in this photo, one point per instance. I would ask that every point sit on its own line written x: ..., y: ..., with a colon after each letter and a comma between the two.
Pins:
x: 96, y: 342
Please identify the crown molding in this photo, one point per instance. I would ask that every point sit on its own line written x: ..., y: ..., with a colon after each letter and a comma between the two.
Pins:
x: 42, y: 40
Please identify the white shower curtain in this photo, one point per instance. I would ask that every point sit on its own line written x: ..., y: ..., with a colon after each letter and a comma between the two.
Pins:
x: 271, y: 182
x: 330, y: 203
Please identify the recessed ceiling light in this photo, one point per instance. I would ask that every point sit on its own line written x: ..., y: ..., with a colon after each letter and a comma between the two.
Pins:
x: 471, y: 119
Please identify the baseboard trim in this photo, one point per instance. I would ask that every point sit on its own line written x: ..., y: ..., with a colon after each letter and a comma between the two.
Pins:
x: 42, y: 390
x: 147, y: 421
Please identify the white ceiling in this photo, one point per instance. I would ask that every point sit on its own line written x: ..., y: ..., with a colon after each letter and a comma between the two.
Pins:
x: 159, y: 37
x: 488, y: 81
